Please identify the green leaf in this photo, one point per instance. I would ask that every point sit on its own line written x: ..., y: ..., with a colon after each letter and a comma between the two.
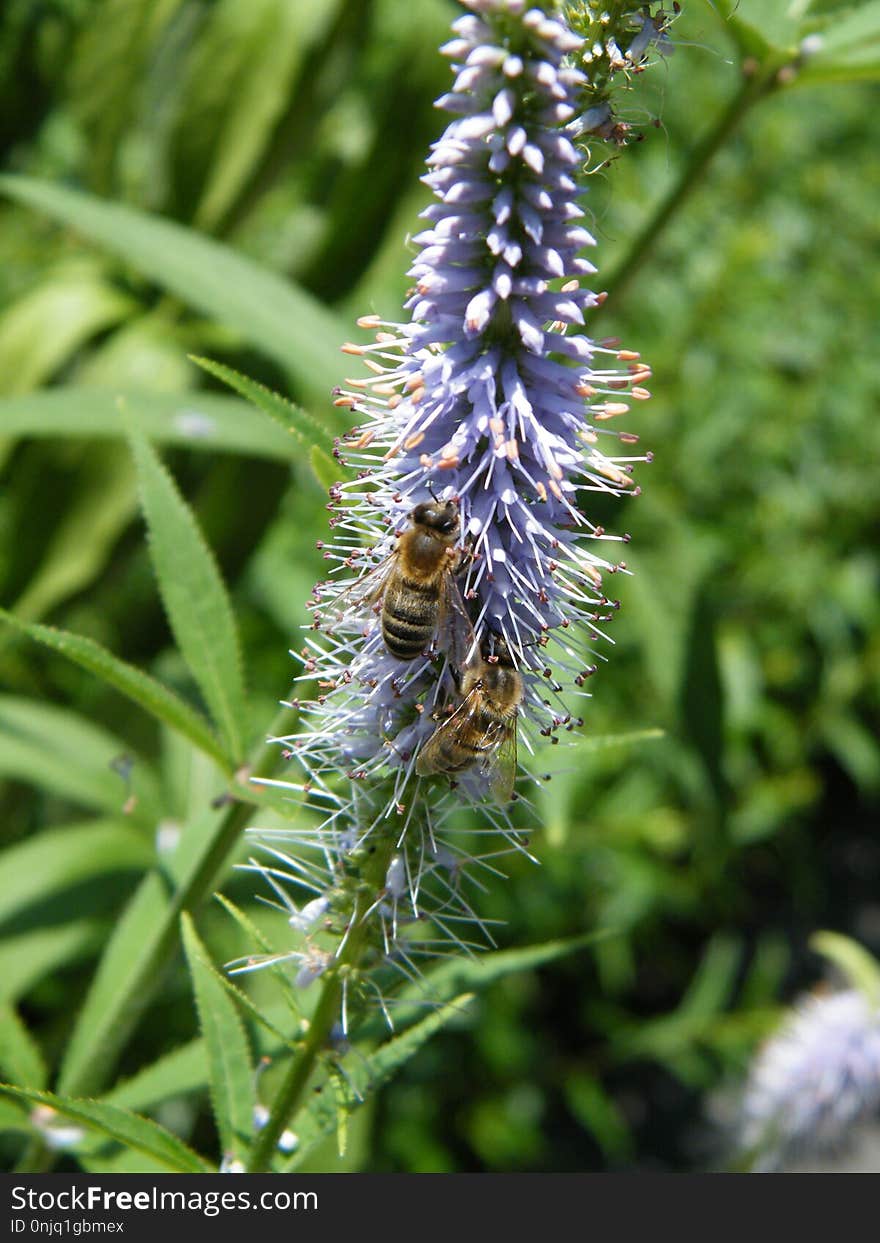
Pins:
x: 860, y: 968
x: 102, y: 508
x: 713, y: 983
x: 136, y: 685
x: 275, y: 316
x: 702, y: 693
x: 321, y: 1115
x: 230, y: 1073
x: 20, y: 1058
x: 600, y: 1114
x: 57, y: 859
x: 120, y: 988
x: 326, y: 471
x: 30, y: 957
x: 178, y: 1073
x: 66, y: 753
x: 195, y: 599
x: 141, y: 1134
x: 295, y: 421
x: 202, y: 421
x: 757, y: 28
x: 846, y: 50
x: 271, y: 38
x: 479, y: 973
x: 43, y: 329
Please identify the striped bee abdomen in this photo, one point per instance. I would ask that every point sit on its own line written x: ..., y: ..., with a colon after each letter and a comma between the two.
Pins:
x: 409, y: 616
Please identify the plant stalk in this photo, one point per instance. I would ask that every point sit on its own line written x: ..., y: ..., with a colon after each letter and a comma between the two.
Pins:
x: 325, y: 1014
x: 752, y: 89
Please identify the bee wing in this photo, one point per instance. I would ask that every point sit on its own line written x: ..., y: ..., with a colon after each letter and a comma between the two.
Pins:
x: 499, y: 765
x: 431, y: 755
x: 364, y: 592
x: 455, y: 628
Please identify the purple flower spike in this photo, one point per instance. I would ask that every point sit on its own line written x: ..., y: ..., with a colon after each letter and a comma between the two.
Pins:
x: 486, y: 395
x: 491, y: 395
x: 815, y: 1082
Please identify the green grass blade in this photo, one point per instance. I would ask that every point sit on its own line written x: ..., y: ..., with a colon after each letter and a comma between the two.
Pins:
x: 230, y: 1073
x: 120, y: 989
x: 62, y: 751
x: 102, y: 507
x: 33, y: 956
x: 20, y: 1058
x: 207, y: 422
x: 128, y: 1129
x: 145, y: 691
x: 272, y: 314
x: 182, y: 1071
x: 195, y: 599
x: 295, y: 421
x: 43, y: 866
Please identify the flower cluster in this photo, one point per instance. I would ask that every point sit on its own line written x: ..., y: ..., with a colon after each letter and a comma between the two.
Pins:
x: 491, y: 396
x: 814, y: 1082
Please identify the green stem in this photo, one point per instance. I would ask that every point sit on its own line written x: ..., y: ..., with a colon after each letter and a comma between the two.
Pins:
x: 752, y: 89
x: 119, y: 1021
x: 325, y: 1014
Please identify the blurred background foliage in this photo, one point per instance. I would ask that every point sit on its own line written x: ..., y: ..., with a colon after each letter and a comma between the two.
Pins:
x: 292, y: 132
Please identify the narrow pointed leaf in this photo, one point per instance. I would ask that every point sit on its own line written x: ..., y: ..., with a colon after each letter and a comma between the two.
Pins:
x: 302, y: 426
x: 31, y: 956
x: 320, y: 1117
x: 195, y: 599
x: 858, y: 966
x: 145, y: 691
x: 476, y: 974
x: 208, y: 422
x: 120, y: 989
x: 325, y: 469
x: 141, y: 1134
x: 182, y: 1071
x: 40, y: 867
x: 274, y: 315
x: 230, y: 1073
x: 64, y: 752
x: 21, y: 1061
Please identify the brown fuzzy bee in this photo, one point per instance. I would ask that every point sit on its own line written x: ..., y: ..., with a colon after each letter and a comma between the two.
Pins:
x: 481, y: 732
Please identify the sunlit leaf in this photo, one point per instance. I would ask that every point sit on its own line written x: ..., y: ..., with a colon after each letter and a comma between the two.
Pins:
x: 304, y: 427
x: 195, y: 599
x: 40, y: 867
x: 63, y: 751
x: 141, y: 1134
x: 136, y: 685
x: 119, y: 990
x: 272, y: 314
x: 28, y: 957
x: 21, y: 1061
x: 230, y: 1074
x: 41, y: 331
x: 206, y: 422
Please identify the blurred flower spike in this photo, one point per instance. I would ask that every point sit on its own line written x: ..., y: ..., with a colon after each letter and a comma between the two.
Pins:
x: 491, y: 397
x: 814, y: 1083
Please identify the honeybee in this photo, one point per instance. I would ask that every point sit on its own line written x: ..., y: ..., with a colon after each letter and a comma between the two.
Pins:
x: 481, y: 732
x: 416, y: 584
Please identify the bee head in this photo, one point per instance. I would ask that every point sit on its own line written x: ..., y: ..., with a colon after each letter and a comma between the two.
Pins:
x: 440, y: 516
